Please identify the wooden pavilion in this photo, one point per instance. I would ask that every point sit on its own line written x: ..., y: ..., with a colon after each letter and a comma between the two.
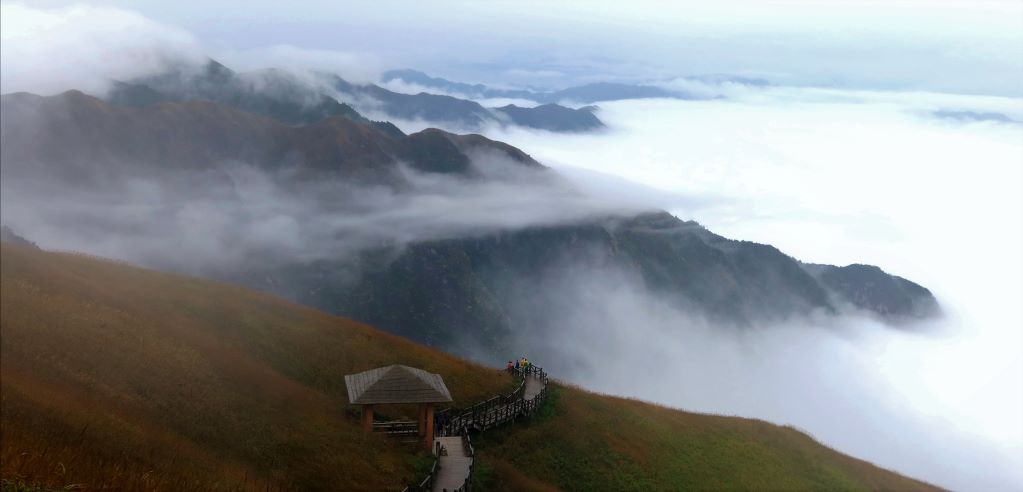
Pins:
x: 398, y: 384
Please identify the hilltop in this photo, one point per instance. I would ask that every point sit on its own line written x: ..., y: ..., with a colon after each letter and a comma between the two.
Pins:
x: 303, y: 98
x: 78, y: 136
x: 121, y: 377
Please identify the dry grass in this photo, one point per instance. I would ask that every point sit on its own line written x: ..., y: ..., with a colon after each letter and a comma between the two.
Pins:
x: 623, y: 444
x: 120, y: 378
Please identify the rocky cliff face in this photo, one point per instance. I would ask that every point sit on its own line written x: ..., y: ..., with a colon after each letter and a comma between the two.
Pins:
x: 870, y: 288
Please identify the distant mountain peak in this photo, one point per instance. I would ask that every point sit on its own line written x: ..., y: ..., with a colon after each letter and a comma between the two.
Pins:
x: 585, y: 93
x: 94, y: 133
x: 276, y: 93
x: 466, y: 114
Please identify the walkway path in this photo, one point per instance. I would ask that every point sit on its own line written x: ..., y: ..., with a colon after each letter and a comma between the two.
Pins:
x: 454, y: 467
x: 455, y: 463
x: 534, y: 386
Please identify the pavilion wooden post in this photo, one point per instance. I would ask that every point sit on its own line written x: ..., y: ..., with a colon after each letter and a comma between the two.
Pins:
x: 428, y: 439
x: 397, y: 385
x: 367, y: 418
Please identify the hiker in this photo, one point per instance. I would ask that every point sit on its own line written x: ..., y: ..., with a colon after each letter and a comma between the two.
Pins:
x: 441, y: 421
x: 511, y: 367
x: 516, y: 365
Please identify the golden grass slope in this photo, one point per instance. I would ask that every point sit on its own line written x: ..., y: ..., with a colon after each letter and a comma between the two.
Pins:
x: 586, y: 441
x: 116, y: 377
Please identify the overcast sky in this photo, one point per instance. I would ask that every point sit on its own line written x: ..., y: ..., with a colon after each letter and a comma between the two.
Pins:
x: 966, y: 46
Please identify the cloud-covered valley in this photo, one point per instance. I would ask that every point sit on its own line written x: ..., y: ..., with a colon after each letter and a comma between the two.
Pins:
x: 836, y: 177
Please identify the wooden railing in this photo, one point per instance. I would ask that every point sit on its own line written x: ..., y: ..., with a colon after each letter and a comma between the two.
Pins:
x: 499, y: 409
x: 397, y: 427
x: 427, y: 484
x: 482, y: 416
x: 471, y: 454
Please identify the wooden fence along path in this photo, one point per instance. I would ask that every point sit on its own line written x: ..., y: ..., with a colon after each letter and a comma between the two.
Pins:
x: 455, y: 457
x: 454, y: 464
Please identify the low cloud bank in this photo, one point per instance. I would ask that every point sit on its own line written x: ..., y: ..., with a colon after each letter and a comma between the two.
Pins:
x: 833, y: 177
x: 47, y: 51
x: 87, y: 47
x: 354, y: 67
x: 936, y: 404
x: 224, y: 217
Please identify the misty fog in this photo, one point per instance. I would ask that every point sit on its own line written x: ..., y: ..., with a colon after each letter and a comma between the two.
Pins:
x: 826, y: 175
x: 76, y: 44
x: 224, y: 217
x: 834, y: 177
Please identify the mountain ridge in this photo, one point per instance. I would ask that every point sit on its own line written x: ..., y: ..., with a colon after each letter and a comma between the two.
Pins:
x: 453, y: 291
x: 206, y: 132
x: 438, y: 108
x: 585, y: 94
x: 297, y: 100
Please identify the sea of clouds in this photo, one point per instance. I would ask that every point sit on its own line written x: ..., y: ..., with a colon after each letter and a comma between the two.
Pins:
x: 837, y: 177
x: 827, y: 175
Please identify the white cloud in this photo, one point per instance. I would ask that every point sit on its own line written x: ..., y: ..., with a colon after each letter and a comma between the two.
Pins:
x: 83, y: 47
x: 402, y: 87
x: 836, y: 177
x: 940, y: 406
x: 47, y: 51
x: 214, y: 221
x: 354, y: 67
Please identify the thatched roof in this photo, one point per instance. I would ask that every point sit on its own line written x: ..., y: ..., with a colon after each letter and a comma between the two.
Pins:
x: 396, y: 384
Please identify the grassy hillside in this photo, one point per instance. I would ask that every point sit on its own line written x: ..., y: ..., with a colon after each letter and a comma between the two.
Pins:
x: 585, y: 441
x: 125, y: 378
